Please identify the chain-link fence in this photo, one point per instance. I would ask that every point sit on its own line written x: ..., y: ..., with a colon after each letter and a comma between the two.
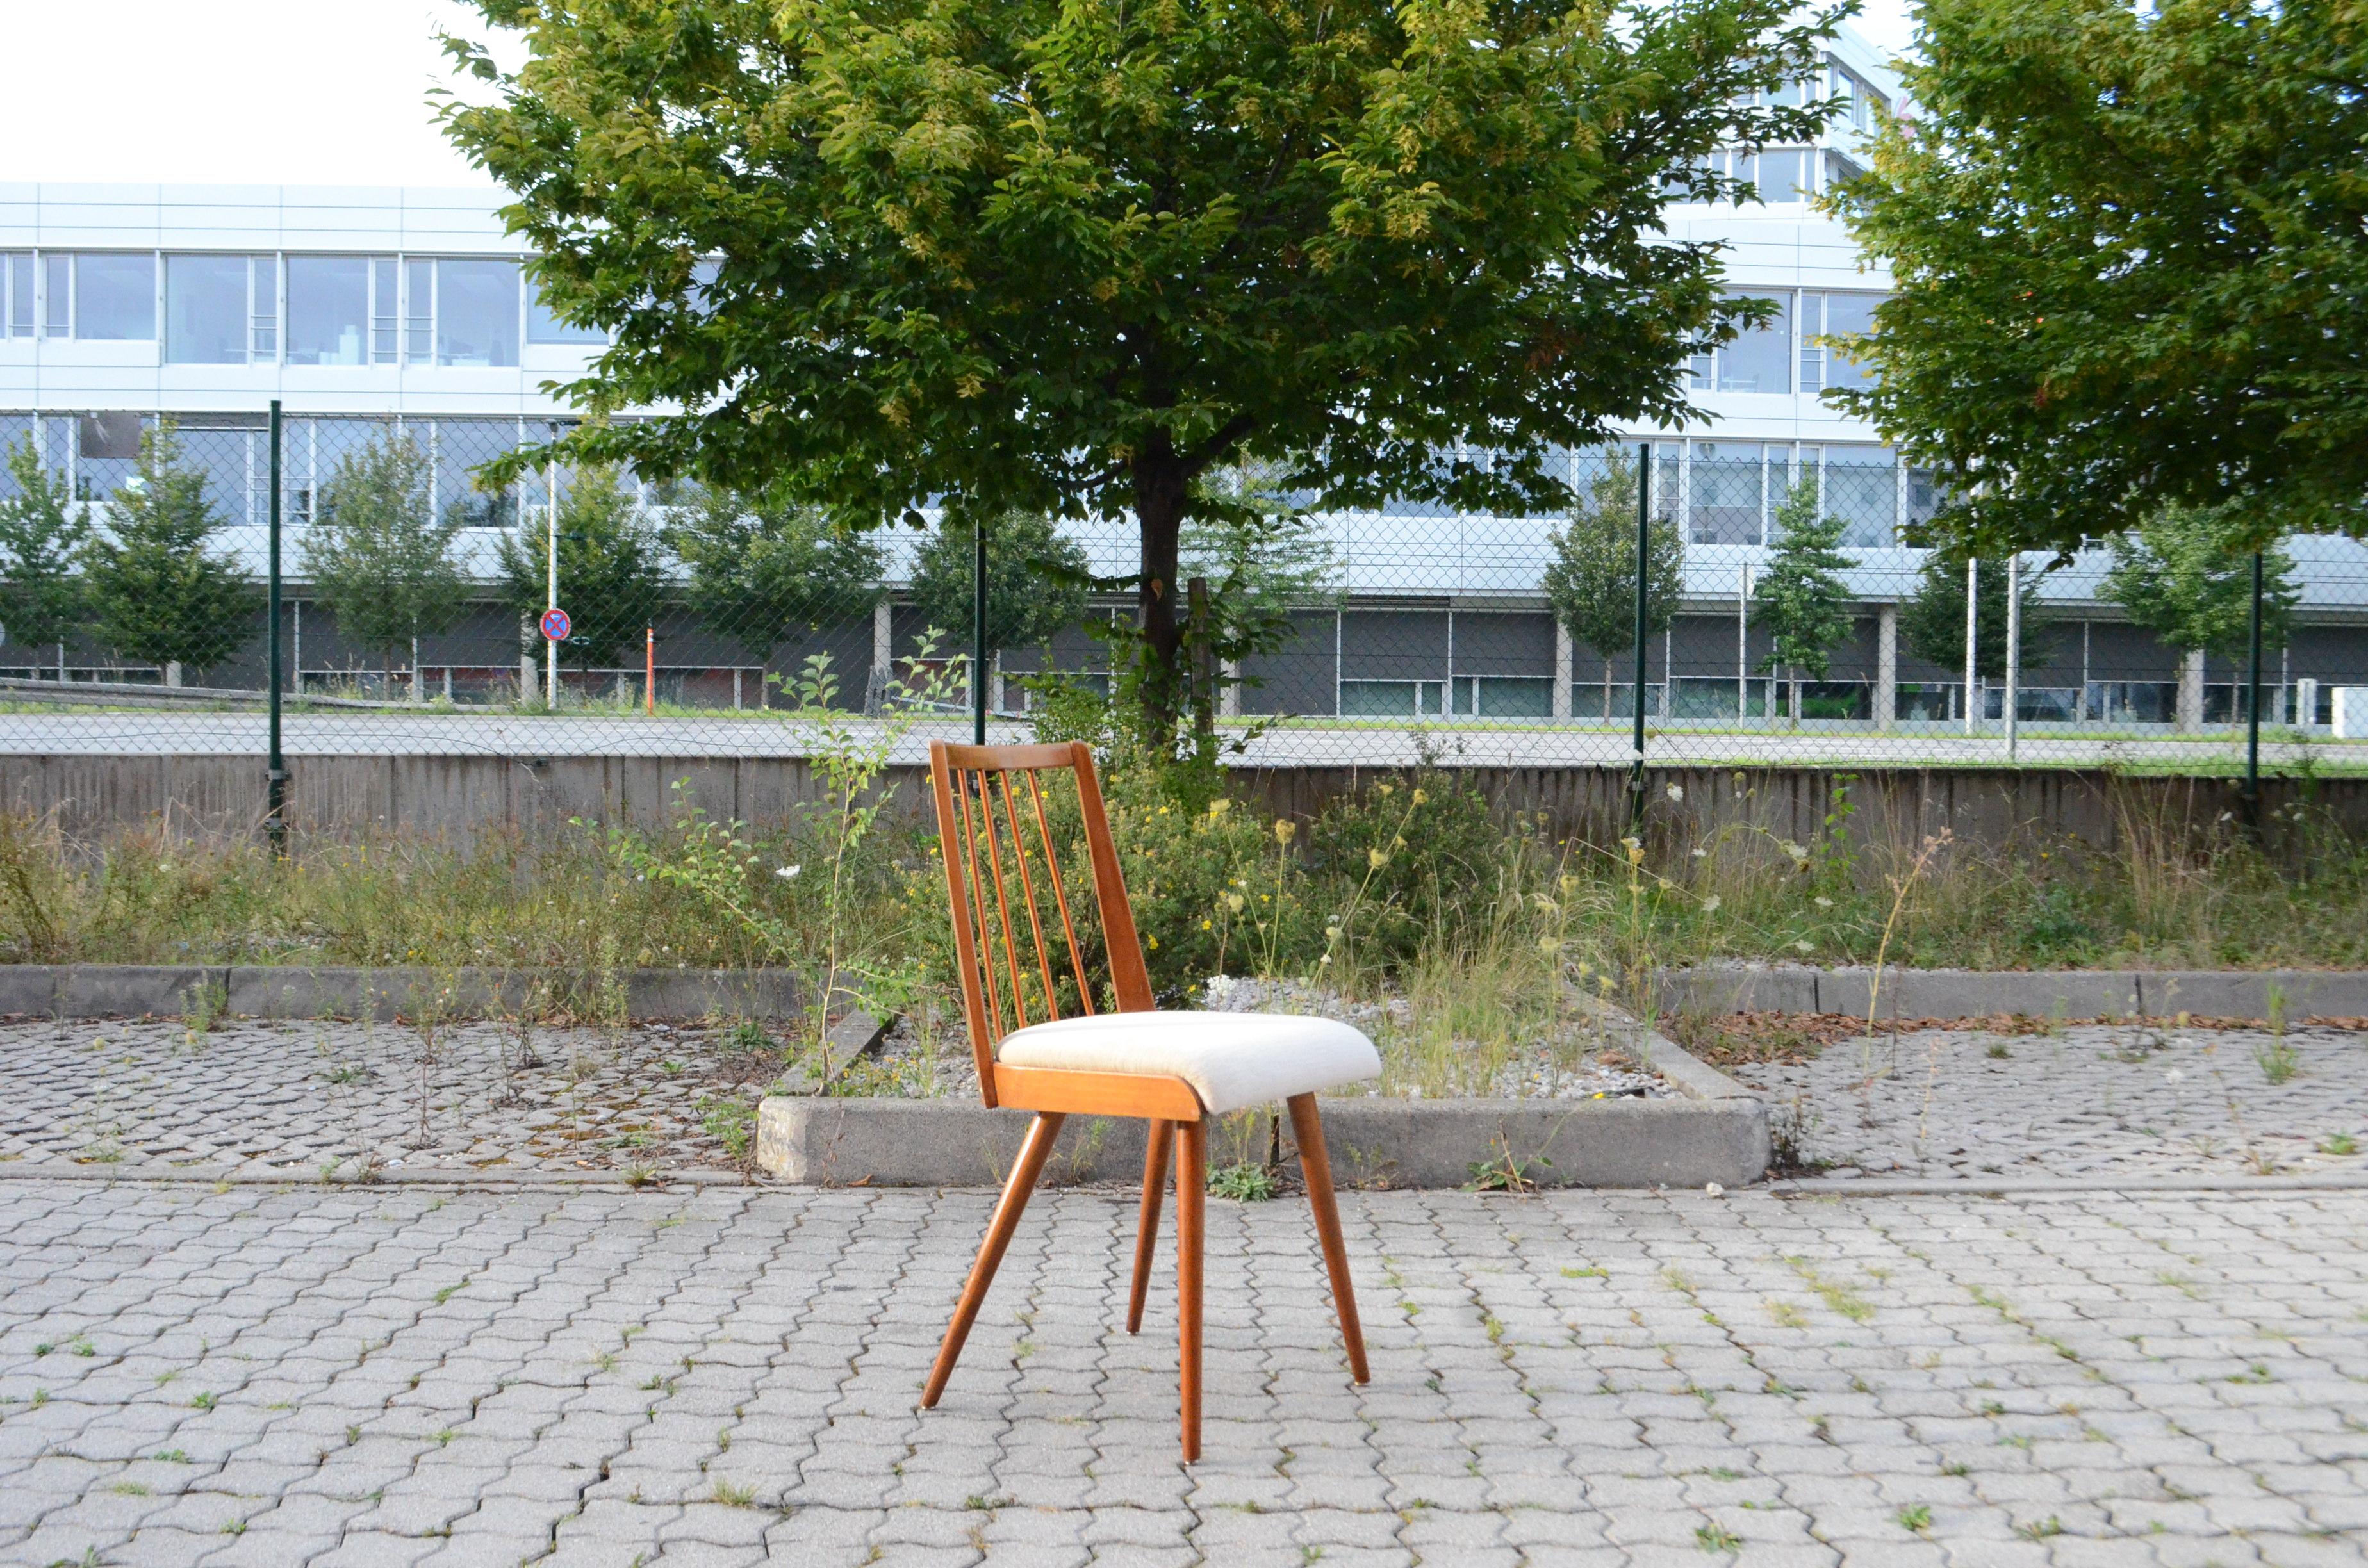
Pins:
x: 1789, y: 617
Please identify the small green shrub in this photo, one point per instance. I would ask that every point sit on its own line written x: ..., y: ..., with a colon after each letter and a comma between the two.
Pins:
x: 1245, y: 1184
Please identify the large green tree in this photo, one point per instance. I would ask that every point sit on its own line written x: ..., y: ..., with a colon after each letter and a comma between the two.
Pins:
x: 2130, y: 251
x: 158, y: 595
x: 1803, y: 599
x: 1591, y: 581
x: 379, y: 557
x: 612, y: 580
x: 1067, y: 257
x: 2181, y: 577
x: 42, y: 535
x: 764, y: 570
x: 1933, y: 619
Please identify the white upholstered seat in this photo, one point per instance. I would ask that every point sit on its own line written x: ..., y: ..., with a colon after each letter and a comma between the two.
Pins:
x: 1232, y: 1060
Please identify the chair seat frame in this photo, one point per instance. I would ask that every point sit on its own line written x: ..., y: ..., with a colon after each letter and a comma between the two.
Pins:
x: 977, y: 851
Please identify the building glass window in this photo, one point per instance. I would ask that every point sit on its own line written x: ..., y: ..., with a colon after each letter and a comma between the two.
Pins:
x: 1779, y: 174
x: 1846, y: 315
x: 386, y: 314
x: 114, y: 297
x: 1924, y: 495
x: 1841, y: 82
x: 1760, y: 360
x: 218, y: 311
x: 543, y: 326
x: 17, y: 294
x: 1502, y: 696
x: 334, y: 442
x: 1825, y: 317
x: 329, y: 309
x: 56, y: 295
x: 1393, y: 699
x: 476, y: 312
x: 419, y: 312
x: 1726, y: 492
x: 460, y: 446
x: 263, y: 297
x: 1862, y: 487
x: 16, y: 433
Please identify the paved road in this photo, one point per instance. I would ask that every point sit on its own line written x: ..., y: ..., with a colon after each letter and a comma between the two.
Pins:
x: 166, y: 733
x: 347, y: 1376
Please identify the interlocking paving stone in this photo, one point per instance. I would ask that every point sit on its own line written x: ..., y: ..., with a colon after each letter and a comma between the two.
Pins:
x: 282, y: 1099
x: 278, y: 1097
x: 349, y: 1375
x: 2094, y: 1101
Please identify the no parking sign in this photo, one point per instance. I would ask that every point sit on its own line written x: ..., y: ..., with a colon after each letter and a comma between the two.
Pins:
x: 556, y: 625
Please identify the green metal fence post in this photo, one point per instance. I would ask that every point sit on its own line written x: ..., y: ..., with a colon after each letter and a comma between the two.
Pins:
x: 1644, y: 553
x: 978, y: 633
x: 275, y: 825
x: 2253, y: 706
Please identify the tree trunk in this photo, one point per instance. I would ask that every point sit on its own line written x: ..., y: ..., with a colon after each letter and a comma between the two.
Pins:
x: 1162, y: 489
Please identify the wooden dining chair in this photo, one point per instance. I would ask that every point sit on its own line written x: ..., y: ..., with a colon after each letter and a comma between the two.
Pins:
x: 1048, y: 1038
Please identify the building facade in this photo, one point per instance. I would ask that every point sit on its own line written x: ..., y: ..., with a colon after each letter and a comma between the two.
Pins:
x: 366, y: 310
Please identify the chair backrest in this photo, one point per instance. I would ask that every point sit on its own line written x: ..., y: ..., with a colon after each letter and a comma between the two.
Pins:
x: 1016, y: 918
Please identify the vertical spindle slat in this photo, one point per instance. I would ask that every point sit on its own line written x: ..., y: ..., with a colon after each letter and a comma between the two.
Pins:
x: 1061, y: 897
x: 1027, y: 896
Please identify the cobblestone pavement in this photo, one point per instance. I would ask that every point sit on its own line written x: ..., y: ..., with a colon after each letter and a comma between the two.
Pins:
x: 311, y: 1375
x: 2124, y: 1100
x: 302, y: 1097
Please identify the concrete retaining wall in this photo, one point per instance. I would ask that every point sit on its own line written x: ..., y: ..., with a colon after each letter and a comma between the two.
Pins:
x: 460, y: 796
x: 285, y: 991
x: 2071, y: 993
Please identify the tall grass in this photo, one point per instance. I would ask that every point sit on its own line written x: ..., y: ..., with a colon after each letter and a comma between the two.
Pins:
x: 1384, y: 894
x: 561, y: 900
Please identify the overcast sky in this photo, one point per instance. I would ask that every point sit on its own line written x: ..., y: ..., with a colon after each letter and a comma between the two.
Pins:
x: 271, y: 92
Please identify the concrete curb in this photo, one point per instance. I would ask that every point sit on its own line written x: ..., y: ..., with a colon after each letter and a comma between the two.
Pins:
x: 1972, y: 994
x: 530, y: 1180
x: 221, y: 1176
x: 288, y: 991
x: 2032, y: 1186
x: 1717, y: 1134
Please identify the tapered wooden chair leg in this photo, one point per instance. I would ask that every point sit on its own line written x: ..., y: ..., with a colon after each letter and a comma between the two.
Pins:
x: 1316, y: 1164
x: 1033, y: 1152
x: 1146, y: 1235
x: 1192, y: 1208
